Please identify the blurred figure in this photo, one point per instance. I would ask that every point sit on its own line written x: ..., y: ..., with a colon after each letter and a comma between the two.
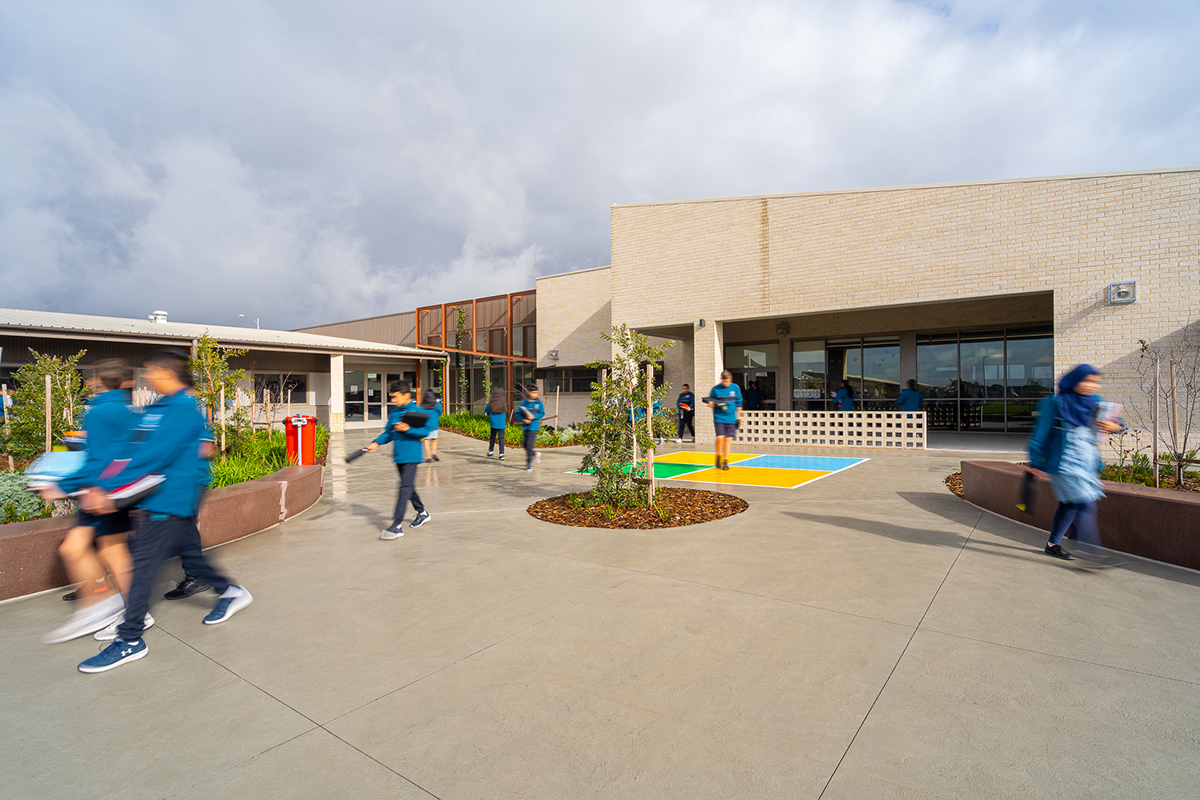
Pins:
x: 498, y: 421
x: 406, y: 453
x: 685, y: 405
x: 433, y: 406
x: 532, y: 410
x: 166, y: 443
x: 725, y: 399
x: 844, y: 399
x: 1064, y: 444
x: 910, y: 399
x: 752, y: 398
x: 96, y: 544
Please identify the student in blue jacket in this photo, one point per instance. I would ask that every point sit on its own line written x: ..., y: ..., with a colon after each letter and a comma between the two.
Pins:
x: 407, y: 452
x: 498, y: 420
x: 910, y: 399
x: 725, y: 399
x: 166, y: 443
x: 1064, y: 444
x: 96, y: 543
x: 532, y: 410
x: 844, y: 399
x: 432, y: 406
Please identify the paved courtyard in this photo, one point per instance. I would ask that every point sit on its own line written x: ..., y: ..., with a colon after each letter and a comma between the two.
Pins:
x: 868, y: 635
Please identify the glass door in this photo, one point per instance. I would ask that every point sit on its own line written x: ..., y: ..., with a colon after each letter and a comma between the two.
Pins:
x: 375, y: 398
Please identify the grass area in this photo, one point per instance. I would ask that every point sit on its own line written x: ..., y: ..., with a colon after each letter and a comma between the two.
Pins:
x: 478, y: 427
x: 253, y: 455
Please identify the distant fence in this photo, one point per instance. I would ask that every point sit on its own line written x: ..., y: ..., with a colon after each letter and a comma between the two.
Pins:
x: 896, y: 429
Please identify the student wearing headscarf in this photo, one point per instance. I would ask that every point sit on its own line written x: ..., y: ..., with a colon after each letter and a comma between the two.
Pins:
x: 1064, y: 444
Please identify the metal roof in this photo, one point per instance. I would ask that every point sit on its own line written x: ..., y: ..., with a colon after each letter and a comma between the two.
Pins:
x: 14, y: 320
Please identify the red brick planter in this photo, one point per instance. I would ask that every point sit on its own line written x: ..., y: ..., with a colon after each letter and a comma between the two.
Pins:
x: 1162, y: 524
x: 29, y: 559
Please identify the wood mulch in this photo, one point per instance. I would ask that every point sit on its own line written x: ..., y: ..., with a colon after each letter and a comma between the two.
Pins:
x: 954, y: 483
x: 683, y: 507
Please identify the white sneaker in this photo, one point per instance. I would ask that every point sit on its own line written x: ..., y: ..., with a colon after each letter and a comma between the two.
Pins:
x: 88, y: 620
x: 394, y: 532
x: 110, y: 633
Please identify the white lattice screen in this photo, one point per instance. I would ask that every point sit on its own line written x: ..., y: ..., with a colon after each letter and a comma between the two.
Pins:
x: 902, y: 429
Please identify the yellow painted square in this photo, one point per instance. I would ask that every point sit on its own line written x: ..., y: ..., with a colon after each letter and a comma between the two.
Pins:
x: 753, y: 476
x: 703, y: 459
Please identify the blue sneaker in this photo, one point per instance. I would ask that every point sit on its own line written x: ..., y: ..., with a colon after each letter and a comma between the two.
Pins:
x: 421, y: 519
x: 226, y: 607
x: 116, y: 654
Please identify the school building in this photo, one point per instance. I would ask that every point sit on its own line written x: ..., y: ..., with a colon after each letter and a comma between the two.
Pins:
x: 983, y: 292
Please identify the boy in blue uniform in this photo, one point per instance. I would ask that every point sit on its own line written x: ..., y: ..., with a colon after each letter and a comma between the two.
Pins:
x: 407, y: 452
x: 725, y: 400
x: 532, y: 410
x: 686, y: 405
x: 166, y: 443
x: 910, y: 399
x: 97, y: 542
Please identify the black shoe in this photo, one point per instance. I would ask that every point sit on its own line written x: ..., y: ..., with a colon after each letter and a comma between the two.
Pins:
x: 435, y: 458
x: 725, y: 465
x: 186, y: 588
x: 70, y: 596
x: 502, y: 456
x: 429, y: 461
x: 1057, y: 551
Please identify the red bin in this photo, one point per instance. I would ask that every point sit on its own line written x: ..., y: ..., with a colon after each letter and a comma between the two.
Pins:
x: 301, y: 439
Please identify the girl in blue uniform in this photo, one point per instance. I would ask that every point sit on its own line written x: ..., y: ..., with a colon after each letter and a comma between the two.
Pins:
x: 498, y: 420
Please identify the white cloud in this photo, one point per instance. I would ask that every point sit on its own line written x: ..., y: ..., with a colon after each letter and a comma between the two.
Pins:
x: 338, y: 160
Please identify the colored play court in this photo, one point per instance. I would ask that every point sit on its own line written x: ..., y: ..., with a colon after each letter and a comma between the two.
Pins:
x: 778, y: 472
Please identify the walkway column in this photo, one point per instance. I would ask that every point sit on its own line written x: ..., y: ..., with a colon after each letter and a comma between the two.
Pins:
x: 709, y: 361
x: 337, y: 393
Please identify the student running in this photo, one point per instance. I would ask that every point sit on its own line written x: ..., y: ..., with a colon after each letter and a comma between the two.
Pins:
x: 432, y: 406
x: 532, y: 410
x: 166, y: 443
x: 407, y: 453
x: 725, y: 399
x: 498, y: 420
x: 96, y: 543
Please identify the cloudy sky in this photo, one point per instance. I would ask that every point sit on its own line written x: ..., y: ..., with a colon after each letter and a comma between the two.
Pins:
x: 308, y: 162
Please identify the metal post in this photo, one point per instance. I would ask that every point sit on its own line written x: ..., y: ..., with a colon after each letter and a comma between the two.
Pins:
x: 650, y: 427
x: 557, y: 394
x: 1154, y: 422
x: 47, y: 413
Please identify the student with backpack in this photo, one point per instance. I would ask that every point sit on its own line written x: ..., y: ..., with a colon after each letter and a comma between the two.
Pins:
x: 431, y: 405
x: 406, y: 453
x: 498, y: 420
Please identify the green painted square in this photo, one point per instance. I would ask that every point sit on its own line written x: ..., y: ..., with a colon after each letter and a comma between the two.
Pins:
x: 661, y: 471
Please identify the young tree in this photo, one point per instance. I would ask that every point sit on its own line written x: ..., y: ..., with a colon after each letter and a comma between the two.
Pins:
x: 615, y: 433
x: 210, y: 365
x: 27, y: 417
x: 1176, y: 361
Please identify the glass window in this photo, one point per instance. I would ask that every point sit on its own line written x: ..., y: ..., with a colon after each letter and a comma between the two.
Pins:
x: 808, y: 375
x: 937, y: 365
x: 881, y: 369
x: 374, y: 387
x: 582, y: 380
x: 1030, y: 366
x: 941, y: 414
x: 845, y: 364
x: 354, y: 387
x: 982, y: 358
x: 374, y: 412
x: 354, y: 412
x: 752, y: 356
x: 550, y: 379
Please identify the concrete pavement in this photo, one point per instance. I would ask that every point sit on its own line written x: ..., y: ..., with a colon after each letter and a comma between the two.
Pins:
x: 865, y: 636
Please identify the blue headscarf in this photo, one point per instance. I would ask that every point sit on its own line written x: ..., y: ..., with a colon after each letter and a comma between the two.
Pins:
x: 1077, y: 409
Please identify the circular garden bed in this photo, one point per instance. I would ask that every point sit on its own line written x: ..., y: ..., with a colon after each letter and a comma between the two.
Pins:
x: 677, y: 507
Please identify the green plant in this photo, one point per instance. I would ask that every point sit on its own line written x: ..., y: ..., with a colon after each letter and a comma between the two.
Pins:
x: 487, y: 378
x: 460, y: 333
x: 26, y: 435
x: 18, y: 504
x: 210, y: 365
x: 616, y: 433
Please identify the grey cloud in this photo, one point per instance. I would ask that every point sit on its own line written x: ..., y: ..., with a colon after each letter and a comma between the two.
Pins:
x: 308, y: 162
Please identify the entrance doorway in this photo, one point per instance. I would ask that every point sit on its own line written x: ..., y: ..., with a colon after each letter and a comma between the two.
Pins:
x: 758, y: 388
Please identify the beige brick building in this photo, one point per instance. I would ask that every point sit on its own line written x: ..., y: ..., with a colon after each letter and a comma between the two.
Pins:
x: 983, y: 292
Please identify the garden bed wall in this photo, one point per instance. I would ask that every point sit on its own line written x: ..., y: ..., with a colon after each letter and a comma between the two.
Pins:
x: 29, y: 559
x: 1162, y: 524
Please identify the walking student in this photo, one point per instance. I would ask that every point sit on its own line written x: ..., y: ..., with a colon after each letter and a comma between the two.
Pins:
x: 725, y: 399
x: 407, y: 453
x: 498, y: 420
x: 685, y: 404
x: 95, y: 545
x: 166, y: 443
x: 1064, y: 444
x: 432, y: 406
x: 532, y: 410
x: 910, y: 399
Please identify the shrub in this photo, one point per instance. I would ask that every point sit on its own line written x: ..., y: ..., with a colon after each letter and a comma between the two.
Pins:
x: 18, y: 504
x: 27, y: 417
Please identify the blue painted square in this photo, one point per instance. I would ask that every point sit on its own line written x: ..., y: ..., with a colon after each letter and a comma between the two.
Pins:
x: 827, y: 464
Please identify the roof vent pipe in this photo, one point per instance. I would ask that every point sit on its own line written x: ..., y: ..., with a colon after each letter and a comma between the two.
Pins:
x: 158, y: 316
